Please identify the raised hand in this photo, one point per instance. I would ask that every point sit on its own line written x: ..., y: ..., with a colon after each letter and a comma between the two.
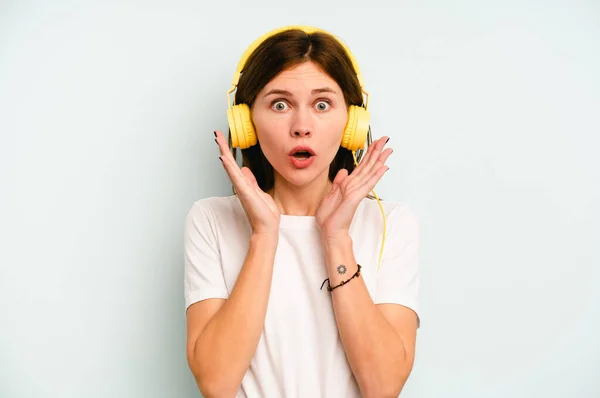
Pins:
x: 335, y: 213
x: 260, y: 209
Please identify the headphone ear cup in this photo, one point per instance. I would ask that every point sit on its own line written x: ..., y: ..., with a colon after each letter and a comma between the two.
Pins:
x: 241, y: 127
x: 357, y: 128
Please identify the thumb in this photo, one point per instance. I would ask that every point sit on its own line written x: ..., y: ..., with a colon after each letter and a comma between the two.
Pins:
x: 249, y: 176
x: 339, y: 177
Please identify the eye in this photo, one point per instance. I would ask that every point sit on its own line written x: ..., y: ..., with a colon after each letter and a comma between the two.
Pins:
x: 323, y: 105
x: 278, y: 105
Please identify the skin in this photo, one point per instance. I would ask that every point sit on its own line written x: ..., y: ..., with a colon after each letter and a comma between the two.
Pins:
x: 304, y: 106
x: 379, y: 340
x: 302, y: 117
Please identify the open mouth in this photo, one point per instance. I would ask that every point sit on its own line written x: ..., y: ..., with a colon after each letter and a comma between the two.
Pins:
x: 302, y: 152
x: 302, y: 155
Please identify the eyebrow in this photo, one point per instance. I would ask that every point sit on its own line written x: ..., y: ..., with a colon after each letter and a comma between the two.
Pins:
x: 315, y: 91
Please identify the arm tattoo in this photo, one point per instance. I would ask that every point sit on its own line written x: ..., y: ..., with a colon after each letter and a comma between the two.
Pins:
x: 341, y: 269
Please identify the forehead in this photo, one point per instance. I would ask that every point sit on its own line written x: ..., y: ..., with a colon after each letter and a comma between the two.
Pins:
x: 306, y: 75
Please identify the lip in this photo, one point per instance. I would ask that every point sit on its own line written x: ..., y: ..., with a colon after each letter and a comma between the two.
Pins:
x: 301, y: 148
x: 301, y: 163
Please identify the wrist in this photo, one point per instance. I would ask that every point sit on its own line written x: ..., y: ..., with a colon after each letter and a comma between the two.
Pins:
x: 338, y: 239
x: 339, y: 255
x: 265, y: 240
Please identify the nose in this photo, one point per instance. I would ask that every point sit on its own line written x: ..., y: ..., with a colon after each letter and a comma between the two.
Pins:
x: 301, y: 126
x: 302, y: 133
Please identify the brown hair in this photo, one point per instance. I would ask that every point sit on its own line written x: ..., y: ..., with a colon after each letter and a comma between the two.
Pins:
x: 283, y: 51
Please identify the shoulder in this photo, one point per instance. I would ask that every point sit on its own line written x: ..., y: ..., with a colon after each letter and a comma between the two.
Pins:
x: 397, y: 214
x: 216, y: 209
x: 215, y: 204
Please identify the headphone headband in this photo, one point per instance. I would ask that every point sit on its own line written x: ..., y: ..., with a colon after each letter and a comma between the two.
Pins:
x: 304, y: 28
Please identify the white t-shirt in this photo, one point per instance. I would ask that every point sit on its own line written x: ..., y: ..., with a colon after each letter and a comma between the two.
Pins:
x: 300, y: 353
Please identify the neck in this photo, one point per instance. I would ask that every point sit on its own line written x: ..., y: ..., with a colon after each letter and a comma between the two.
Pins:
x: 296, y: 200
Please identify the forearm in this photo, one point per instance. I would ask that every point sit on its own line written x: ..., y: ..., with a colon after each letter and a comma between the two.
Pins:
x: 226, y: 346
x: 374, y: 350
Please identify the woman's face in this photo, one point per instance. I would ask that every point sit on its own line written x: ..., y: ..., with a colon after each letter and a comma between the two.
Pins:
x: 300, y: 109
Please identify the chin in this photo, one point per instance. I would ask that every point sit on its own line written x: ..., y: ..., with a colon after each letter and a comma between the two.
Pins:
x: 299, y: 179
x: 302, y: 177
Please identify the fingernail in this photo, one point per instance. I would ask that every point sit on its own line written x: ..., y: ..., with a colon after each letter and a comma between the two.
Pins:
x: 216, y: 141
x: 221, y: 159
x: 386, y: 141
x: 215, y: 133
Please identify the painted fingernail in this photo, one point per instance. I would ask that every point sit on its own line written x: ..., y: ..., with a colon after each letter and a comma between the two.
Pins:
x: 386, y: 141
x: 216, y: 141
x: 215, y: 133
x: 221, y: 159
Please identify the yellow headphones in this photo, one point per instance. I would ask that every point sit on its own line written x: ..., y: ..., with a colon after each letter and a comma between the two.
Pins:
x: 243, y: 134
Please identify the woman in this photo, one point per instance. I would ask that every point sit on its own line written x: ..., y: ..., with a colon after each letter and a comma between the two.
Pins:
x: 259, y: 321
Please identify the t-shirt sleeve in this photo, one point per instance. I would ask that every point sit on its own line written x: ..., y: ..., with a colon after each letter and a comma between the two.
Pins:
x: 203, y: 271
x: 398, y: 276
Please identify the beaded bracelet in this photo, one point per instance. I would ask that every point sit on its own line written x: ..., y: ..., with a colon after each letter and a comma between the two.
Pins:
x: 329, y: 288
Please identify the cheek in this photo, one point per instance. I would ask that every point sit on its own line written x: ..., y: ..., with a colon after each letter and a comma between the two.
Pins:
x: 266, y: 124
x: 262, y: 128
x: 330, y: 142
x: 267, y: 129
x: 337, y: 124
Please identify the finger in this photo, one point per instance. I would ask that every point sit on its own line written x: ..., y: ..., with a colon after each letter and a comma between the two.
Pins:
x: 339, y: 177
x: 377, y: 166
x: 335, y: 194
x: 376, y: 153
x: 371, y: 163
x: 225, y: 154
x: 374, y: 147
x: 250, y: 176
x: 221, y: 142
x: 370, y: 157
x: 378, y: 159
x: 234, y: 173
x: 372, y: 181
x: 383, y: 157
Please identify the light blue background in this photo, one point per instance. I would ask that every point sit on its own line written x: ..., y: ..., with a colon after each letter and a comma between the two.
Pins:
x: 106, y: 118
